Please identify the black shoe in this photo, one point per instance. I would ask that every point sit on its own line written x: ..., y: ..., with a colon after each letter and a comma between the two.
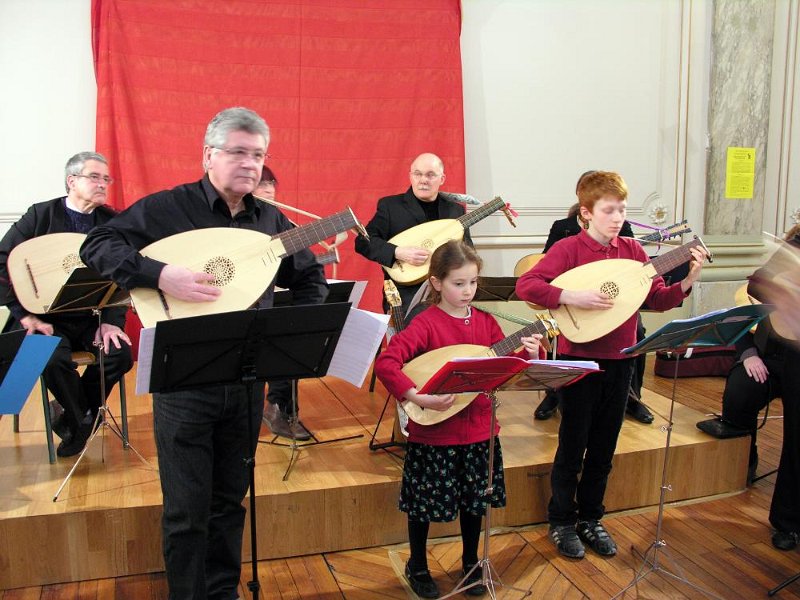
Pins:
x: 596, y: 537
x: 567, y: 541
x: 638, y: 410
x: 475, y: 577
x: 76, y: 442
x: 422, y: 583
x: 721, y: 429
x: 281, y: 424
x: 785, y: 540
x: 547, y: 408
x: 57, y: 423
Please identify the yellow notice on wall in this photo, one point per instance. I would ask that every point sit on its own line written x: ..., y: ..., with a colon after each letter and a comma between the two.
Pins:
x: 740, y: 172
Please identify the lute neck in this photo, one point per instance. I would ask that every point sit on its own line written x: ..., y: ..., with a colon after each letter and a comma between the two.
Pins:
x: 469, y: 219
x: 675, y: 258
x: 509, y: 344
x: 306, y: 236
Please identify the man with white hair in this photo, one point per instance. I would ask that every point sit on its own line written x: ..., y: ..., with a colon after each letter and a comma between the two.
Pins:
x: 202, y: 434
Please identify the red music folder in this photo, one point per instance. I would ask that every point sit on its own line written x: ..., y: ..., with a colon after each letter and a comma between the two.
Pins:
x: 483, y: 374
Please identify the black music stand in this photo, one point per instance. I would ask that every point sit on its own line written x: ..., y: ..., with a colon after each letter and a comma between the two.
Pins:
x: 719, y: 328
x: 490, y: 375
x: 87, y: 290
x: 338, y: 292
x: 245, y: 347
x: 495, y: 289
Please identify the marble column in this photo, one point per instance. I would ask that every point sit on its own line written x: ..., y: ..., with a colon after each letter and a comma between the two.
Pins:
x: 739, y: 97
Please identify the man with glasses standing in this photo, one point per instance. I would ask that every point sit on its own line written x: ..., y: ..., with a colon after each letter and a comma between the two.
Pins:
x: 203, y: 435
x: 77, y: 397
x: 421, y: 203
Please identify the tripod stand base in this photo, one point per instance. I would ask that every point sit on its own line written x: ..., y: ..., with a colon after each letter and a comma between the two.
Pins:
x: 99, y: 426
x: 651, y: 564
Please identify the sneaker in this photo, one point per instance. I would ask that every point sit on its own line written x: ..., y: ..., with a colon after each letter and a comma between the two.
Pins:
x: 422, y: 583
x: 636, y: 409
x: 474, y: 578
x: 785, y: 540
x: 281, y: 424
x: 596, y: 537
x: 566, y: 540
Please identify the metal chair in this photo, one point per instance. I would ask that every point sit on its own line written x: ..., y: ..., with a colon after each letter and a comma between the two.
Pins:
x: 82, y: 359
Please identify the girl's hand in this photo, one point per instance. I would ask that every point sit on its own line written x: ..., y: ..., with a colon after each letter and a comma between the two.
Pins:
x: 532, y: 344
x: 434, y: 402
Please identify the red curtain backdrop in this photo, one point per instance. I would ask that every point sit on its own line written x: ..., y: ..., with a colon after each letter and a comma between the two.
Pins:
x: 352, y: 92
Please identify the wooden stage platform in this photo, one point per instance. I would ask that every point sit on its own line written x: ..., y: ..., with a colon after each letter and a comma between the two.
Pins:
x: 339, y: 495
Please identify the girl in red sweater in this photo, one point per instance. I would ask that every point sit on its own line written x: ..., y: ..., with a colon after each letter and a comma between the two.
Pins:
x: 446, y: 466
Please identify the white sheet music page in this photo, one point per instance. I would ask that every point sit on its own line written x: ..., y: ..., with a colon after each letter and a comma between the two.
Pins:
x: 358, y: 344
x: 145, y: 360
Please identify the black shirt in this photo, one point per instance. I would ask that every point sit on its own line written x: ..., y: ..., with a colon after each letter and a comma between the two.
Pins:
x: 112, y: 249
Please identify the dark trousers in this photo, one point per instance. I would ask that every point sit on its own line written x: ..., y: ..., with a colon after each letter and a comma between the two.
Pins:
x: 784, y: 513
x: 743, y: 397
x: 592, y: 412
x: 280, y: 393
x: 202, y: 443
x: 79, y: 393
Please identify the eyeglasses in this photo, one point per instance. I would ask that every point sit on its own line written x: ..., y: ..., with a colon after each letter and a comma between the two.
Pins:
x: 429, y: 175
x: 98, y: 178
x: 240, y: 155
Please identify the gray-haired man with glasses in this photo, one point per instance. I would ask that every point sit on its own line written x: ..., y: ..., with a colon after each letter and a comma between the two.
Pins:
x: 202, y: 434
x: 86, y: 179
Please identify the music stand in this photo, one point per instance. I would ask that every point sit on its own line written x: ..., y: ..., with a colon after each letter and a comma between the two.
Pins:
x: 87, y: 290
x: 338, y: 292
x: 245, y: 347
x: 495, y: 289
x: 490, y: 375
x: 719, y: 328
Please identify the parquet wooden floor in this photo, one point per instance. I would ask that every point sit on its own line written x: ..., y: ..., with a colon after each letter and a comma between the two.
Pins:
x: 721, y: 544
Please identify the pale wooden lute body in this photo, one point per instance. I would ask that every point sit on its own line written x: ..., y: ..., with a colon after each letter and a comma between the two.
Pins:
x: 423, y: 367
x: 243, y: 262
x: 39, y: 268
x: 778, y: 323
x: 430, y: 236
x: 626, y: 281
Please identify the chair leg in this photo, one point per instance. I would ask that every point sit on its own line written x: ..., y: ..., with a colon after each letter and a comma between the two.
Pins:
x: 123, y: 409
x: 16, y: 423
x: 48, y: 426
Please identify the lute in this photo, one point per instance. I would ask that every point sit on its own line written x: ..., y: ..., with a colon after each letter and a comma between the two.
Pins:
x: 243, y: 262
x: 526, y: 263
x: 433, y: 234
x: 40, y: 266
x: 425, y: 366
x: 626, y: 281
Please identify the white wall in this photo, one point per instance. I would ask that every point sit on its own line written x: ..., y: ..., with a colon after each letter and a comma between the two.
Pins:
x: 47, y: 108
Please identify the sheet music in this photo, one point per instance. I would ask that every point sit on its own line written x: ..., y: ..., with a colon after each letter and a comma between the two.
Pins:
x: 146, y: 338
x: 361, y: 336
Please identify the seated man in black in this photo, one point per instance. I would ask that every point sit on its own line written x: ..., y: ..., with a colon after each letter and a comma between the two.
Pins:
x: 767, y: 368
x: 87, y: 181
x: 421, y: 203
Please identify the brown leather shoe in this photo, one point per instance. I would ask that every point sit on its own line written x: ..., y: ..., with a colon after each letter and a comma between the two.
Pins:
x: 281, y: 424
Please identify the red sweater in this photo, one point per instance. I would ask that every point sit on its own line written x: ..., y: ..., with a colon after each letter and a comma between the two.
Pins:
x: 534, y: 286
x: 430, y: 330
